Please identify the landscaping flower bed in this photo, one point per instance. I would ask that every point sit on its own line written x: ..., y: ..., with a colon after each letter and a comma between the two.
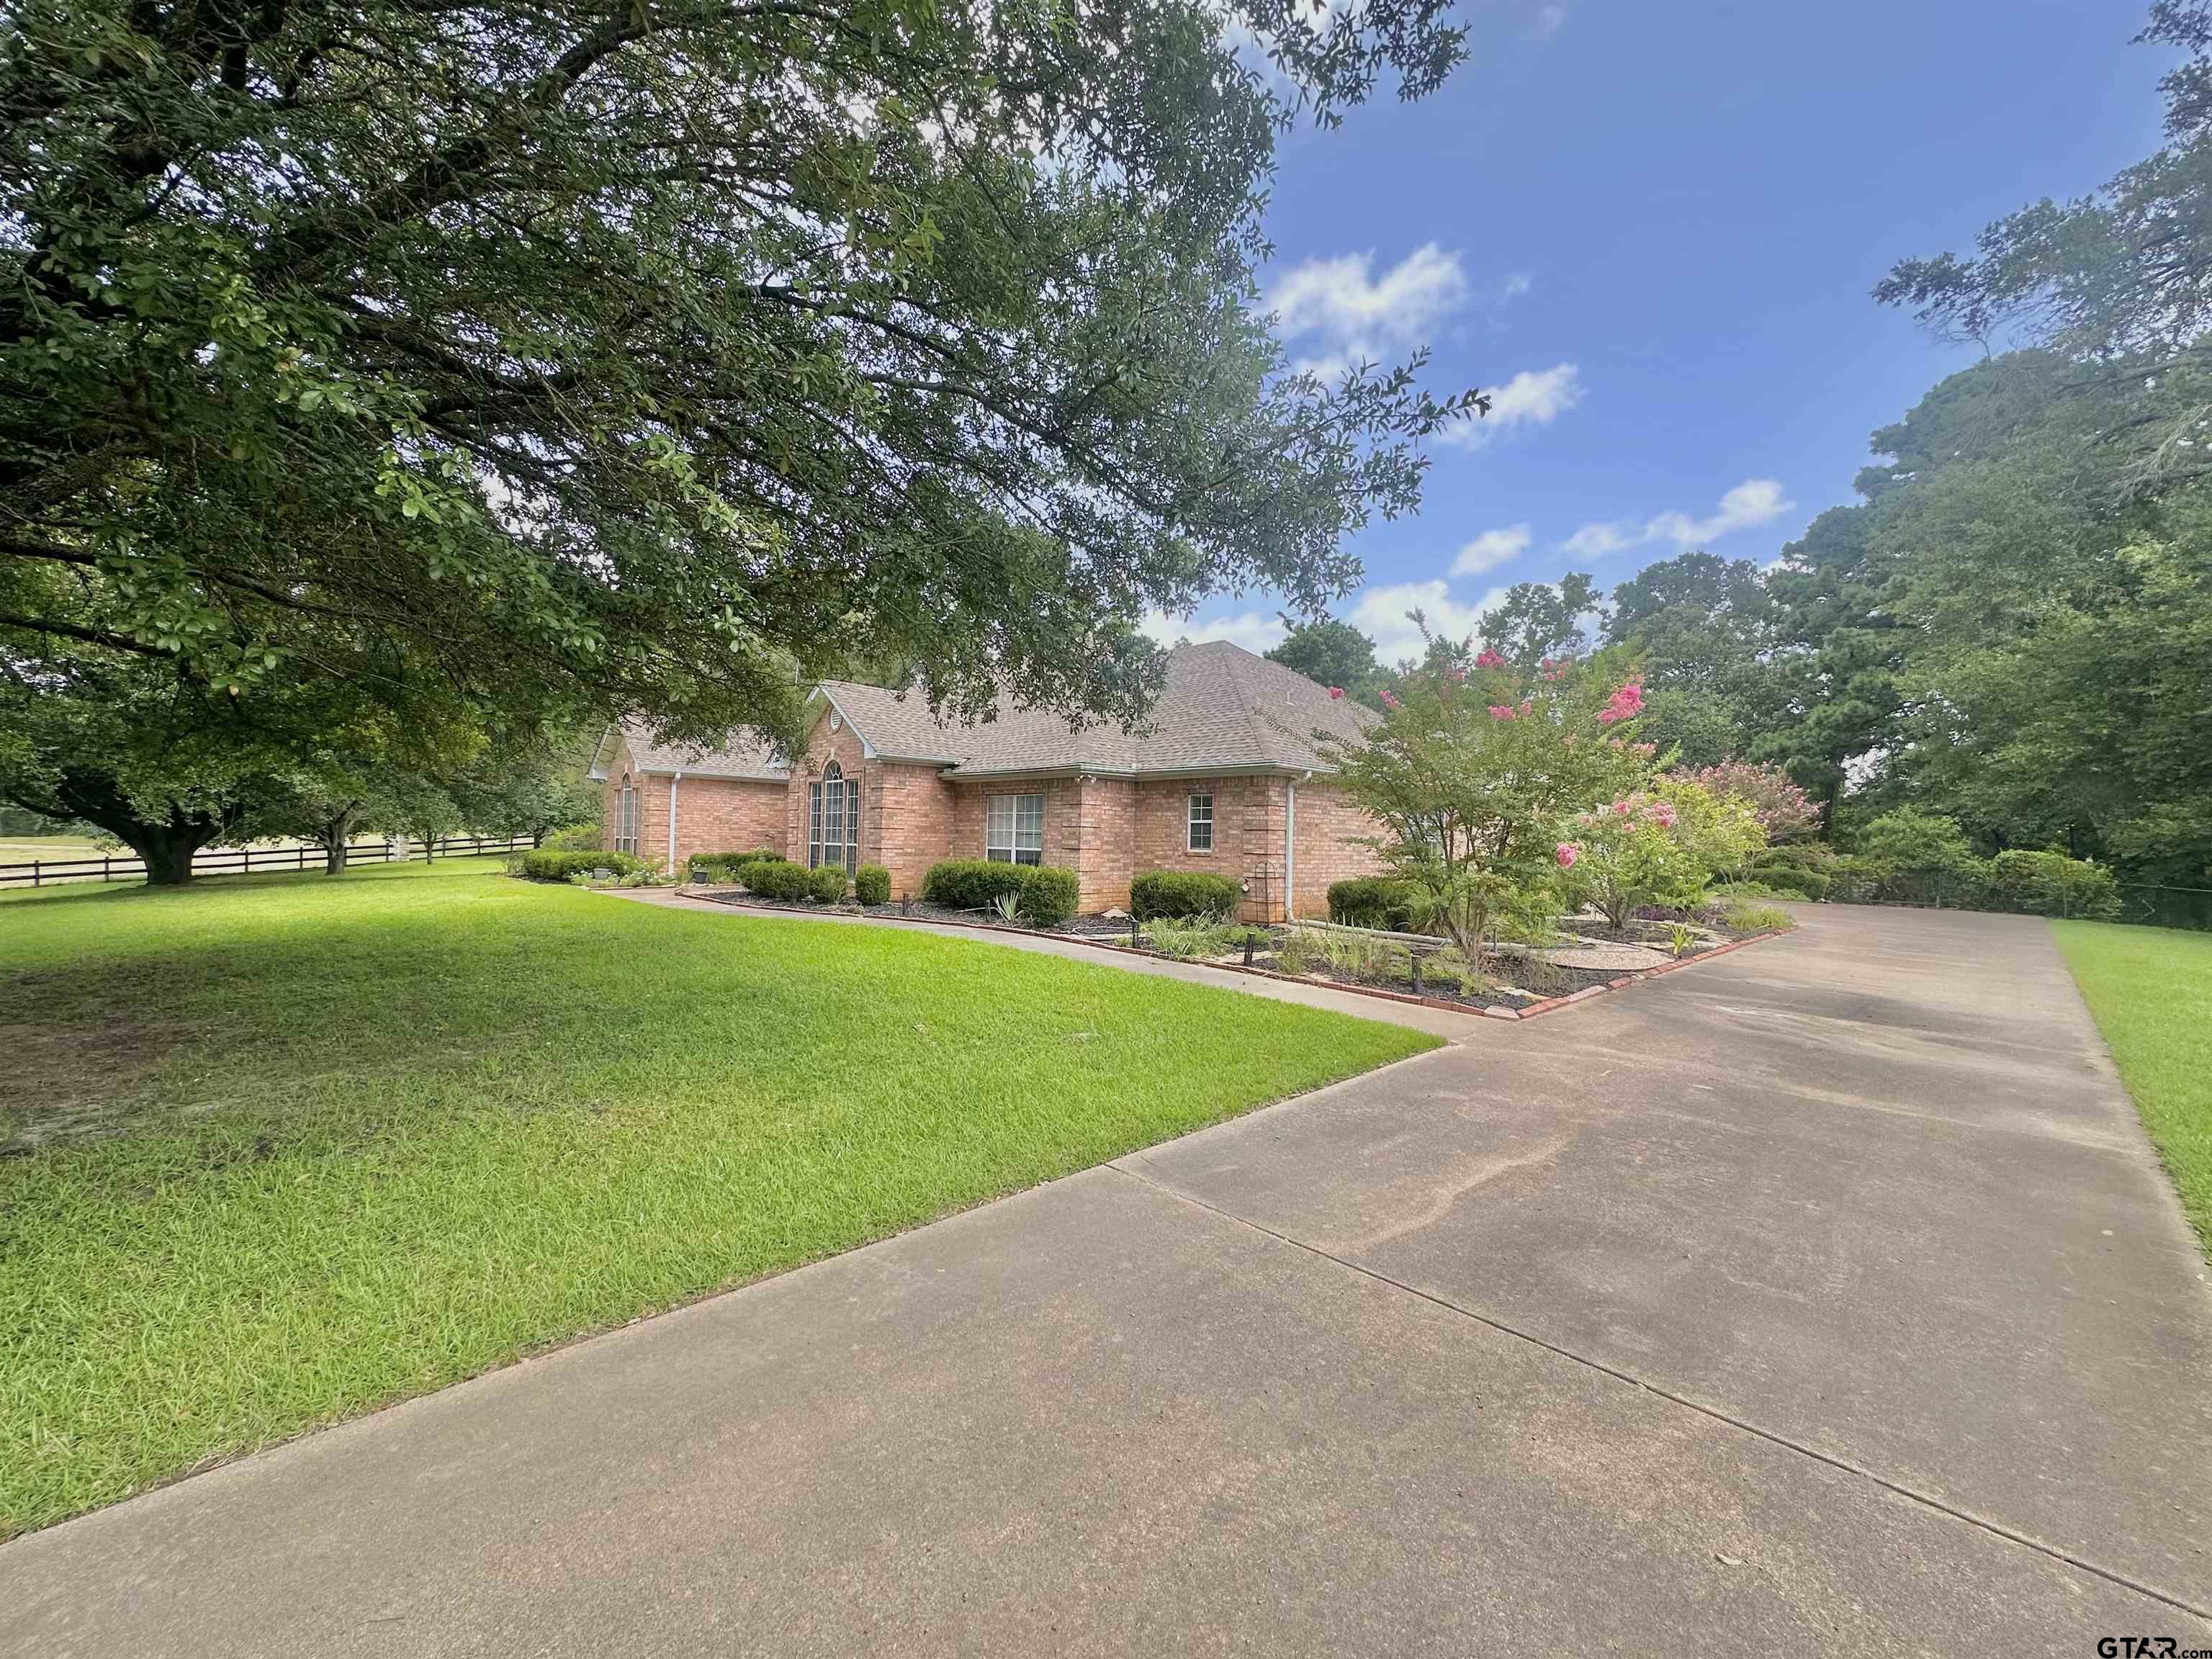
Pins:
x: 1512, y: 979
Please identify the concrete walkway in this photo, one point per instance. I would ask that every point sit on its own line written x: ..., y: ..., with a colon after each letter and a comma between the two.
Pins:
x: 1824, y: 1299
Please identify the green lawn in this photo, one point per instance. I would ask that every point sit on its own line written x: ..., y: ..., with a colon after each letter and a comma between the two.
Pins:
x: 2151, y: 991
x: 307, y: 1145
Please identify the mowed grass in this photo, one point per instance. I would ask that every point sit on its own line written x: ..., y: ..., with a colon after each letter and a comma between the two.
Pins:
x: 323, y: 1143
x: 2150, y: 989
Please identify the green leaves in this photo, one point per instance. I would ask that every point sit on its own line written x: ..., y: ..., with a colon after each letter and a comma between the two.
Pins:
x: 651, y: 359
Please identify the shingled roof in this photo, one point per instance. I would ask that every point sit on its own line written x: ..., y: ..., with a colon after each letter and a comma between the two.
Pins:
x: 1221, y: 709
x: 747, y: 755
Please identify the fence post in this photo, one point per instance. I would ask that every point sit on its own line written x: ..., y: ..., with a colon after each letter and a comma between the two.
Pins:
x: 105, y: 860
x: 35, y: 872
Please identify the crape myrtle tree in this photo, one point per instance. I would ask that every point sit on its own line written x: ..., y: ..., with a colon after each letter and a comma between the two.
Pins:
x: 1475, y: 771
x: 650, y: 358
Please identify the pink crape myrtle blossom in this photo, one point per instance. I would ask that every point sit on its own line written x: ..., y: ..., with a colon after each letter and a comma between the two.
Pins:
x: 1784, y: 809
x: 1388, y: 700
x: 1499, y: 711
x: 1567, y: 852
x: 1624, y: 704
x: 1490, y: 659
x: 1336, y: 694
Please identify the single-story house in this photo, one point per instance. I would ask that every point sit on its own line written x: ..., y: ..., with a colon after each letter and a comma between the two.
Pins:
x: 1222, y: 776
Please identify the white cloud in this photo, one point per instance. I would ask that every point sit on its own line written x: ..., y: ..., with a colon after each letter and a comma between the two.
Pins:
x: 1348, y: 314
x: 1533, y: 397
x: 1492, y: 548
x: 1595, y: 541
x: 1754, y: 501
x: 1380, y: 613
x: 1255, y: 630
x: 1547, y: 22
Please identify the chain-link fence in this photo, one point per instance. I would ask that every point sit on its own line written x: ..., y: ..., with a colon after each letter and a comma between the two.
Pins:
x: 2144, y: 903
x: 2166, y: 906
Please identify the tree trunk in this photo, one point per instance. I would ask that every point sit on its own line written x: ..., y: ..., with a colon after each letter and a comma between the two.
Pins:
x: 335, y: 838
x: 166, y: 854
x: 165, y: 846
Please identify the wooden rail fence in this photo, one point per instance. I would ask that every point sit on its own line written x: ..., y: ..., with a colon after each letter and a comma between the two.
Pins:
x: 248, y: 861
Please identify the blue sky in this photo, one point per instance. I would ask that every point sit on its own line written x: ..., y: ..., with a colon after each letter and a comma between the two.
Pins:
x: 1652, y: 228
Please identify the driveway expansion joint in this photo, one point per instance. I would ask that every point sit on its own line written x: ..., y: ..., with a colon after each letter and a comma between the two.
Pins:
x: 1926, y: 1500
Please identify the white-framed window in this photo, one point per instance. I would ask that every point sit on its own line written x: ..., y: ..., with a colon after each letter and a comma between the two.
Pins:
x: 1013, y: 829
x: 833, y: 820
x: 1200, y: 819
x: 625, y: 824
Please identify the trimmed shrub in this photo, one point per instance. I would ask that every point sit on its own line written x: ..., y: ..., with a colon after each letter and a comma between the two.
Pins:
x: 827, y: 883
x: 756, y: 855
x: 970, y: 883
x: 1183, y: 893
x: 1049, y: 894
x: 873, y: 885
x: 1372, y: 902
x: 548, y: 864
x: 779, y: 879
x: 1791, y: 880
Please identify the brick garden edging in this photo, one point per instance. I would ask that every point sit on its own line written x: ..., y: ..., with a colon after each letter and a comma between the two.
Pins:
x: 1627, y: 980
x: 1546, y: 1006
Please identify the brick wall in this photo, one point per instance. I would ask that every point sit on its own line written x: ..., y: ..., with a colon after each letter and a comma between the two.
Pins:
x: 906, y: 823
x: 1327, y: 826
x: 1108, y: 808
x: 713, y: 815
x: 1248, y: 835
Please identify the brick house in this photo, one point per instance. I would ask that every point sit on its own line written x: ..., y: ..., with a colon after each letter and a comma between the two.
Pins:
x: 1224, y: 776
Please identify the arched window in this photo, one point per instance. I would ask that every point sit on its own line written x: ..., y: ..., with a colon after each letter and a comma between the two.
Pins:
x: 833, y: 820
x: 626, y: 816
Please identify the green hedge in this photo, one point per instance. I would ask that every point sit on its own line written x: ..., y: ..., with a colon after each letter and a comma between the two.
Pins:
x: 730, y: 866
x: 970, y: 883
x: 1798, y: 882
x: 1802, y: 855
x: 779, y: 879
x: 1372, y: 902
x: 873, y: 885
x: 827, y: 883
x: 2029, y: 883
x: 1183, y: 893
x: 1049, y: 896
x: 548, y: 864
x: 2052, y: 885
x: 1048, y: 893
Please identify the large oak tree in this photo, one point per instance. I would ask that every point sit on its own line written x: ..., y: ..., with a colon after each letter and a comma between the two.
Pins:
x: 650, y: 356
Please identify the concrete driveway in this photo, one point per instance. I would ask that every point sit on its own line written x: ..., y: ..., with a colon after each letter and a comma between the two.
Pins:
x: 1826, y: 1297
